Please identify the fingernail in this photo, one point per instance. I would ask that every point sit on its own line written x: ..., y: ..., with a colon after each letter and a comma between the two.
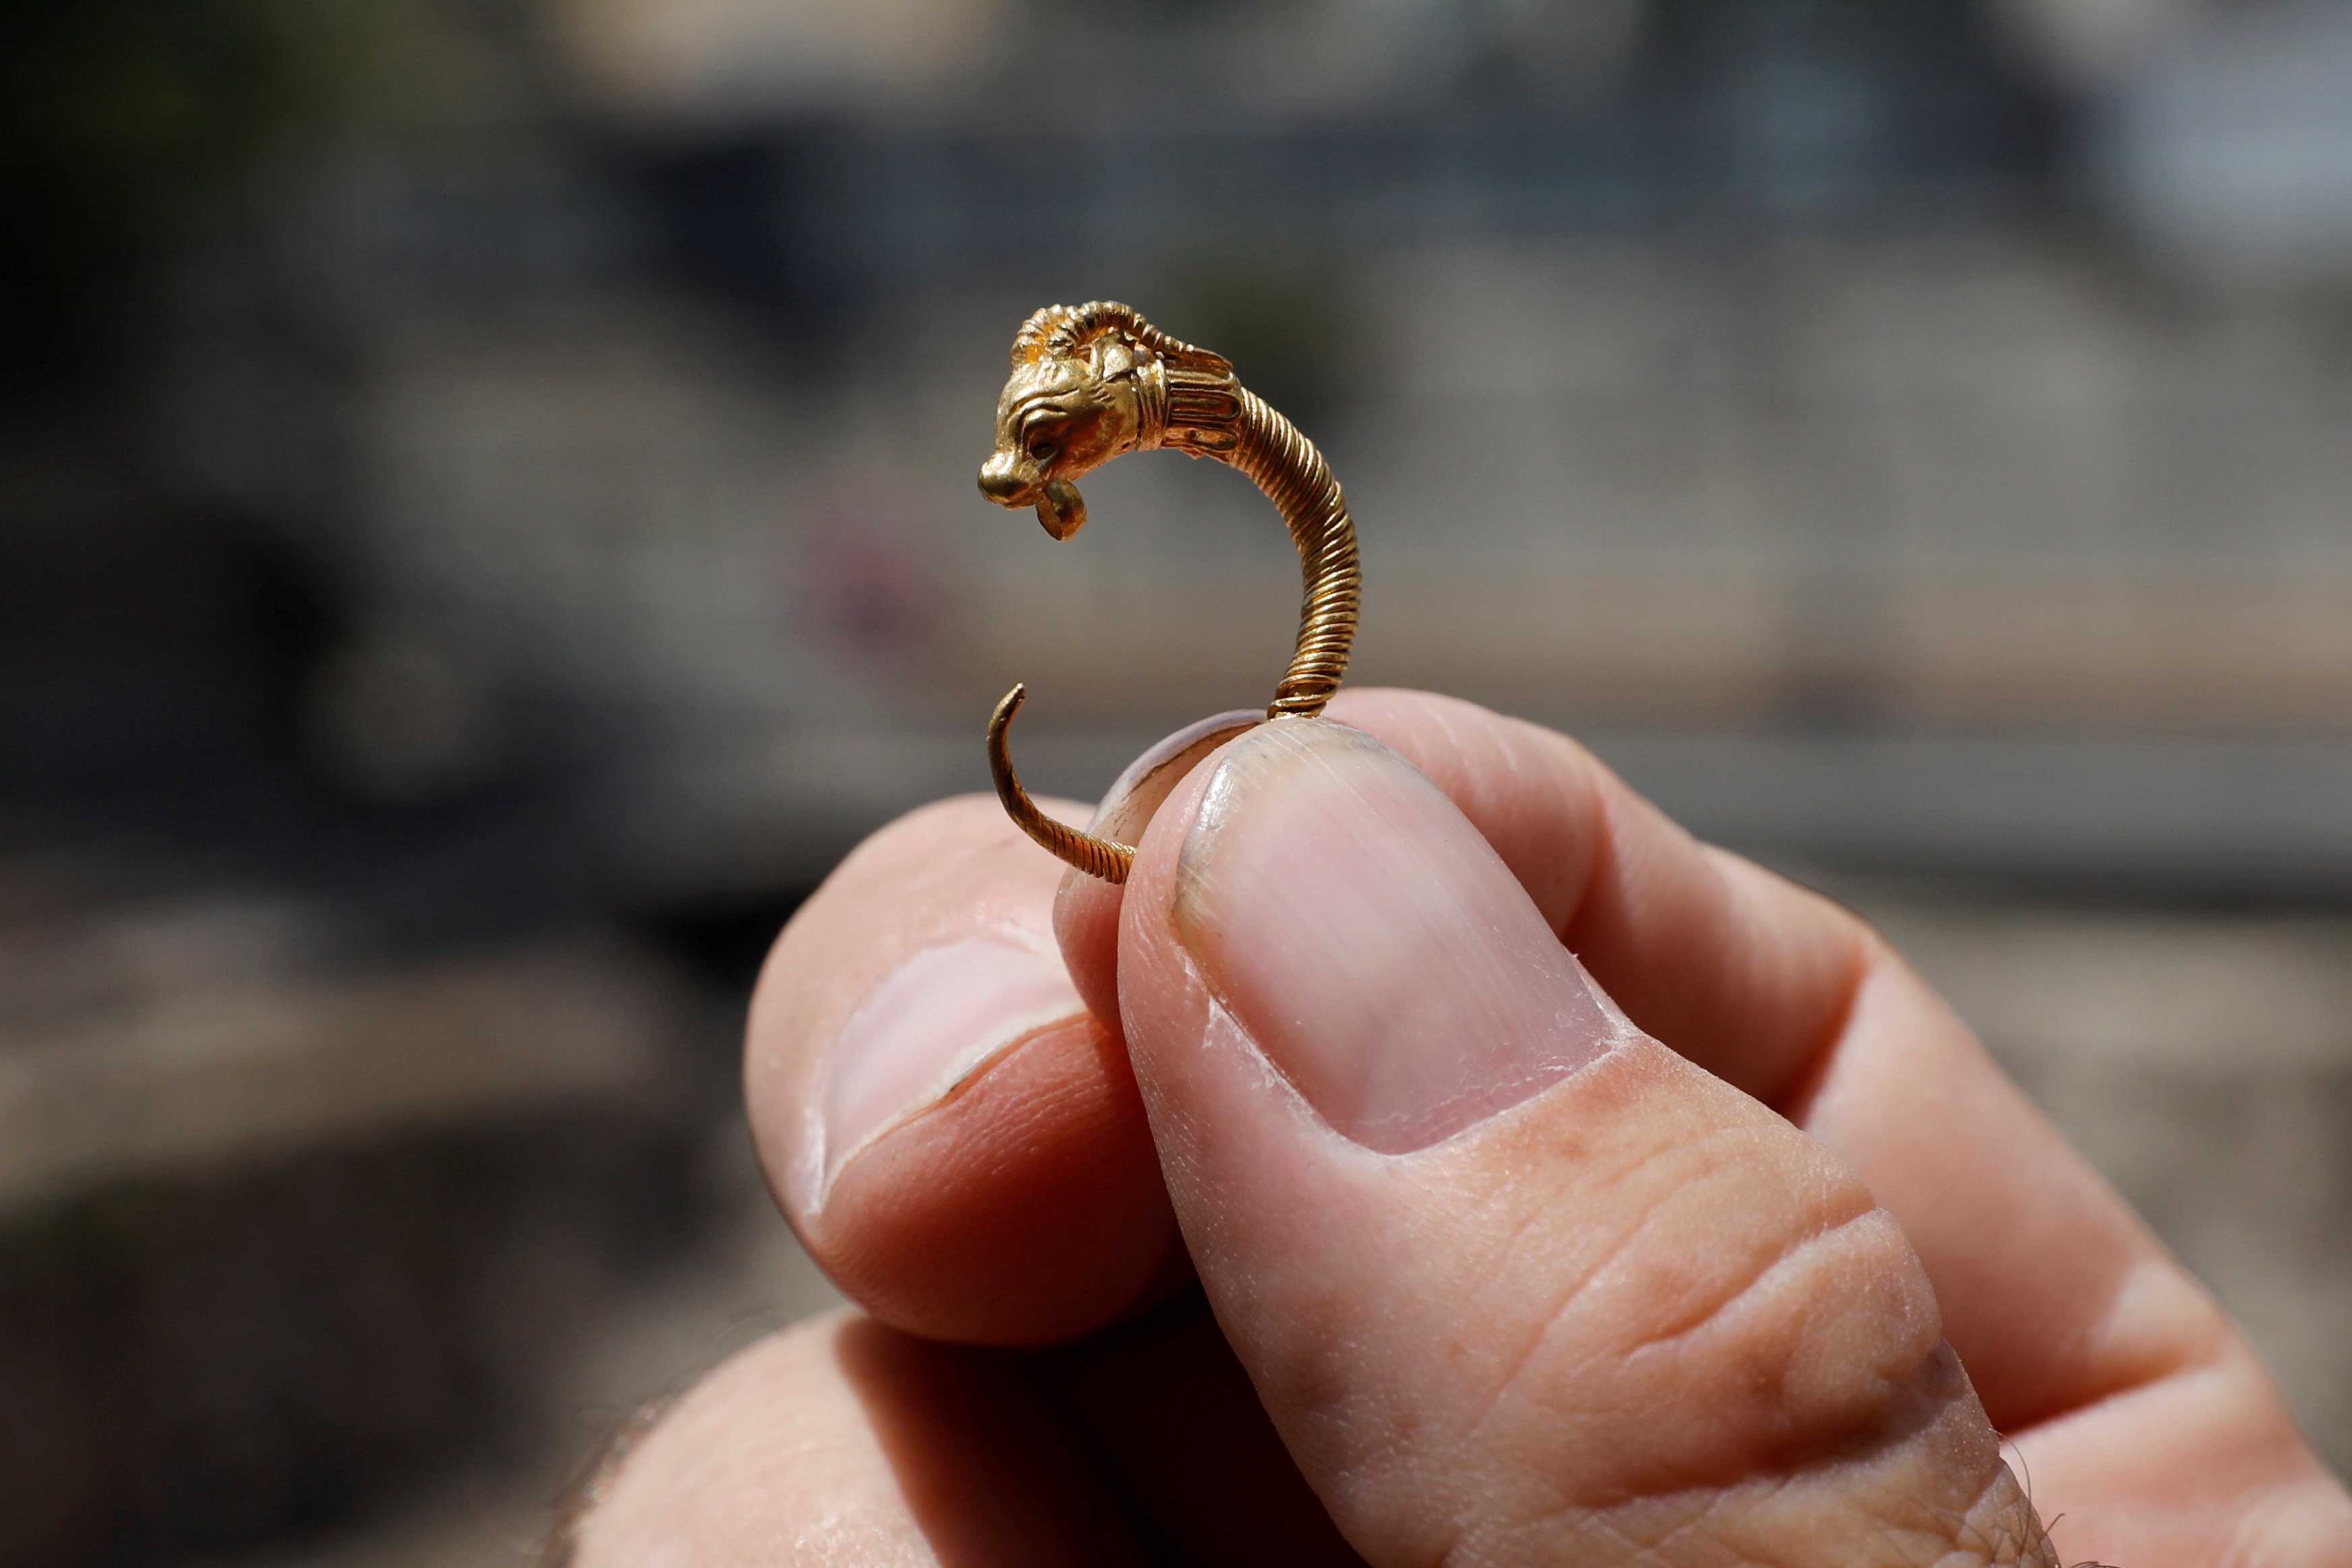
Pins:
x: 1372, y: 944
x: 1128, y: 805
x: 1086, y: 911
x: 937, y: 1018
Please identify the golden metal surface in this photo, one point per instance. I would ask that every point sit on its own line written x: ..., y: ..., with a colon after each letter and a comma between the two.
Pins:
x: 1097, y: 382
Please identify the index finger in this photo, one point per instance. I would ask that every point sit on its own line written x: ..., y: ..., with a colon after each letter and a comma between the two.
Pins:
x: 956, y: 1139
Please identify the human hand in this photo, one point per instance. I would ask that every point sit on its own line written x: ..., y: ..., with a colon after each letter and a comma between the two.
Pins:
x: 1377, y: 1228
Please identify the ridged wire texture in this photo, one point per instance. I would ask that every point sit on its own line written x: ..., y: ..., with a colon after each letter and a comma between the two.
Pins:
x: 1105, y: 857
x: 1285, y: 465
x: 1294, y: 476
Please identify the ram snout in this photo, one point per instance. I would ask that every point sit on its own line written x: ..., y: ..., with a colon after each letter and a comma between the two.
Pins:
x: 1009, y: 478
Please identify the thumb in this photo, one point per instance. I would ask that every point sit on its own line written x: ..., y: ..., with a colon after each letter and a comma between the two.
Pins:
x: 1516, y: 1284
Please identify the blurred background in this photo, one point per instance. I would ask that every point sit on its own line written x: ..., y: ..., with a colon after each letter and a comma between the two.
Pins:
x: 487, y: 517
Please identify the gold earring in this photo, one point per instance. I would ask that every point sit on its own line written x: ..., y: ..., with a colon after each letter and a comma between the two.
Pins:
x: 1098, y: 382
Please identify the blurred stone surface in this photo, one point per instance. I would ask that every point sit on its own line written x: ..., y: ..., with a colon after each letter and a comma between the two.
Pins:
x: 169, y: 1039
x: 746, y: 1279
x: 1972, y: 482
x: 299, y: 1222
x: 200, y: 1364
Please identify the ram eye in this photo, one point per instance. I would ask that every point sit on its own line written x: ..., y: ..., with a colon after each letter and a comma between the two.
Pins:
x: 1041, y: 441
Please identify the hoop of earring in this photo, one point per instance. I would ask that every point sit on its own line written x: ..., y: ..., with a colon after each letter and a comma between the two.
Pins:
x: 1095, y: 381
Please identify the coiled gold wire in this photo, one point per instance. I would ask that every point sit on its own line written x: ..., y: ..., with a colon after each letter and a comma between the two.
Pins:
x: 1286, y: 465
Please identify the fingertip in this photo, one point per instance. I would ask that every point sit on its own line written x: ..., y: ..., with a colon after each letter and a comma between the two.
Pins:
x: 1026, y: 1209
x: 1086, y: 909
x: 955, y: 1139
x: 1086, y: 927
x: 1536, y: 795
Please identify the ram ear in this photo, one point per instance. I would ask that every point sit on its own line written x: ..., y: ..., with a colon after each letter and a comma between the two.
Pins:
x: 1200, y: 359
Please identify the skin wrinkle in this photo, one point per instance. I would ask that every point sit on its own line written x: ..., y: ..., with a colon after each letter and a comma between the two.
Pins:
x: 1550, y: 1320
x: 1626, y: 1174
x: 2252, y: 1544
x: 1874, y: 960
x: 1573, y: 1290
x: 2205, y: 1350
x: 1798, y: 1252
x: 1860, y: 1440
x: 1945, y: 1539
x: 2034, y: 1551
x: 1631, y: 1548
x: 1535, y: 1340
x: 1952, y: 1538
x: 2224, y: 1400
x: 1612, y: 1525
x: 2188, y: 1367
x: 1711, y: 1503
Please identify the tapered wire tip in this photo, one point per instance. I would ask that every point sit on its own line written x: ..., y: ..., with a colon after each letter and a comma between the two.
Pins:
x: 1007, y: 706
x: 1101, y: 858
x: 999, y: 754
